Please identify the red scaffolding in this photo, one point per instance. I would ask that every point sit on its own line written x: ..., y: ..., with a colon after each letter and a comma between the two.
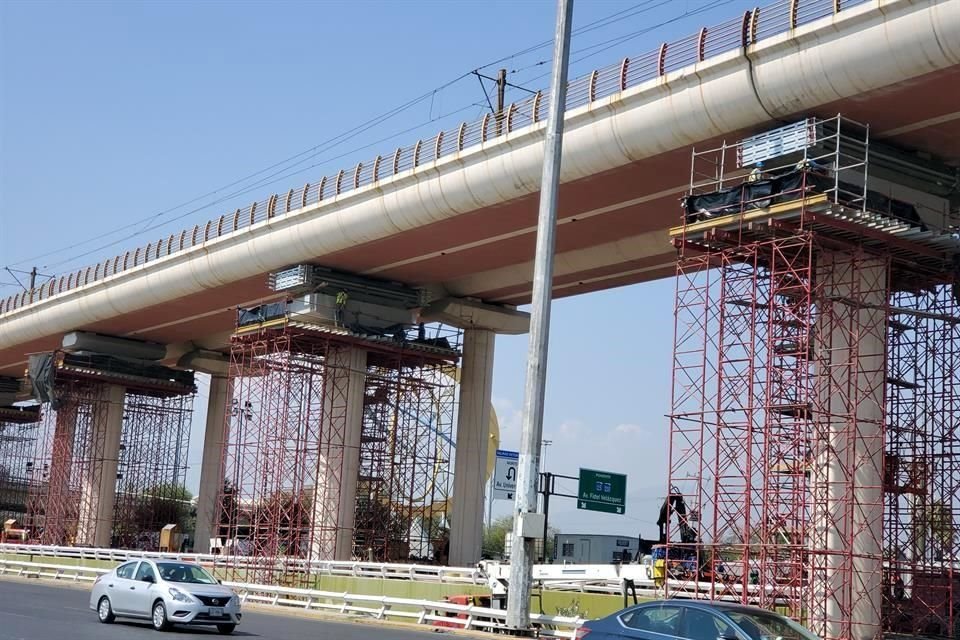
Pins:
x: 70, y: 458
x: 18, y: 435
x: 813, y: 427
x: 294, y: 474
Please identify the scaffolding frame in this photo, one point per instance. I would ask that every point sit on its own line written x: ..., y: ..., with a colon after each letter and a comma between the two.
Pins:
x: 287, y: 436
x: 922, y: 465
x: 18, y: 435
x: 69, y: 460
x: 814, y: 396
x: 151, y: 477
x: 406, y: 457
x: 66, y: 458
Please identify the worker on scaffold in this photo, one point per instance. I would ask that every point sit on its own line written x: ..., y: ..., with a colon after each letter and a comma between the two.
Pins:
x: 341, y: 302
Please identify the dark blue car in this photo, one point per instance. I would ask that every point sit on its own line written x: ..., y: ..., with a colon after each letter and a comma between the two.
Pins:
x: 694, y: 620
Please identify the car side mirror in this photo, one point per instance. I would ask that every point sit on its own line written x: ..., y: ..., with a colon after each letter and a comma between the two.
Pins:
x: 149, y: 579
x: 729, y: 634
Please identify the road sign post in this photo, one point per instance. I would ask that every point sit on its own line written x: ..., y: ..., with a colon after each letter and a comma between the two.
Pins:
x: 602, y: 491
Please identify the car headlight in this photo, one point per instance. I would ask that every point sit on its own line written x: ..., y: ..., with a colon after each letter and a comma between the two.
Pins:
x: 179, y: 596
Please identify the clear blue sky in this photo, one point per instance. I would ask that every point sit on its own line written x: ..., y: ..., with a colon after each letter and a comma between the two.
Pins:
x: 114, y: 113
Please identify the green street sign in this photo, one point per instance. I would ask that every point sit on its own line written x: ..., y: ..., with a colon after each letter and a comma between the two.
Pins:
x: 602, y: 491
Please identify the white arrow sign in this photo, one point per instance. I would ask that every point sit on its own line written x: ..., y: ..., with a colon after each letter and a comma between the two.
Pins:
x: 505, y: 475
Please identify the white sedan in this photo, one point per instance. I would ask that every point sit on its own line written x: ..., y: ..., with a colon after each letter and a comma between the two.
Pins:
x: 166, y: 593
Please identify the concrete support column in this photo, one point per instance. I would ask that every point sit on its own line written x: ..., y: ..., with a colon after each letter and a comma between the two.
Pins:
x: 98, y: 489
x: 338, y: 465
x: 847, y: 475
x: 211, y: 469
x: 473, y: 438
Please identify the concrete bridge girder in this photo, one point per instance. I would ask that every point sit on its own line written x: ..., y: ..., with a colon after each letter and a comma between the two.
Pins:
x: 816, y: 64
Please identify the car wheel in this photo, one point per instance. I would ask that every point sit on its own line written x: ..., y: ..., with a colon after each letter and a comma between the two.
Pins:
x: 105, y: 611
x: 159, y: 617
x: 226, y: 629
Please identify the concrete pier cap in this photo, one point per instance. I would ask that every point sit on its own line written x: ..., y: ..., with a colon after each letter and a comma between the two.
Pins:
x: 468, y: 313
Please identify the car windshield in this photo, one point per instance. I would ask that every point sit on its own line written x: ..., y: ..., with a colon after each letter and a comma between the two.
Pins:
x: 764, y: 625
x: 186, y: 573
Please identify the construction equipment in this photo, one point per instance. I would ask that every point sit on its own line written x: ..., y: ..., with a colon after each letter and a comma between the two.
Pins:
x: 674, y: 503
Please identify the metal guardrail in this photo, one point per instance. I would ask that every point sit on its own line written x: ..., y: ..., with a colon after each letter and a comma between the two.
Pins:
x: 737, y: 33
x: 389, y: 571
x: 424, y: 612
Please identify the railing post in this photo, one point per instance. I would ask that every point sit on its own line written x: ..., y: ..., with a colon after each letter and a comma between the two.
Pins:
x: 271, y: 206
x: 836, y: 6
x: 356, y: 175
x: 624, y: 66
x: 416, y: 154
x: 510, y: 111
x: 323, y: 185
x: 592, y: 88
x: 754, y: 21
x: 662, y: 59
x: 206, y: 230
x: 339, y: 182
x: 793, y: 13
x: 396, y: 161
x: 537, y: 99
x: 286, y: 207
x: 460, y: 133
x: 745, y: 30
x: 702, y: 44
x: 376, y: 169
x: 253, y: 213
x: 436, y: 146
x: 483, y: 127
x: 220, y: 226
x: 303, y: 196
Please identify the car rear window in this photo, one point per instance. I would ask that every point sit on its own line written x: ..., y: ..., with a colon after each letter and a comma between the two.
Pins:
x: 126, y: 570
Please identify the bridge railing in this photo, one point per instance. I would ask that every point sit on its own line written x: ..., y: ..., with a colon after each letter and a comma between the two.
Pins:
x: 731, y: 35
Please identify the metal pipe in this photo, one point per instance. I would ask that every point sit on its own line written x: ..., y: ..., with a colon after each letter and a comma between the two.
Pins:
x: 522, y: 549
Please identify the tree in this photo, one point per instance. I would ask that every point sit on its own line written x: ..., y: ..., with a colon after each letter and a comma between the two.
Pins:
x: 495, y: 535
x: 933, y: 523
x: 146, y: 512
x: 381, y: 530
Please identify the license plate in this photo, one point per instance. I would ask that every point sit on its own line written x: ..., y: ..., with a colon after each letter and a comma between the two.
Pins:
x: 216, y: 612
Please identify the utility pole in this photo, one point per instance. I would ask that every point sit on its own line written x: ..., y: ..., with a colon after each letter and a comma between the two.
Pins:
x: 527, y: 524
x: 501, y: 94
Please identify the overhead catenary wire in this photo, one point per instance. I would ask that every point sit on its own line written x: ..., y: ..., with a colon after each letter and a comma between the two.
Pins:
x: 283, y: 168
x: 266, y: 181
x: 300, y: 157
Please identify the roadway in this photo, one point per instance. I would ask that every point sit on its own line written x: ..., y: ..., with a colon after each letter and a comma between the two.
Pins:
x: 31, y: 611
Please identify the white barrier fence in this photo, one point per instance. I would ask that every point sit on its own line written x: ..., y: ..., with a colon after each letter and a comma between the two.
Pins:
x: 424, y: 612
x: 392, y: 571
x: 612, y: 579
